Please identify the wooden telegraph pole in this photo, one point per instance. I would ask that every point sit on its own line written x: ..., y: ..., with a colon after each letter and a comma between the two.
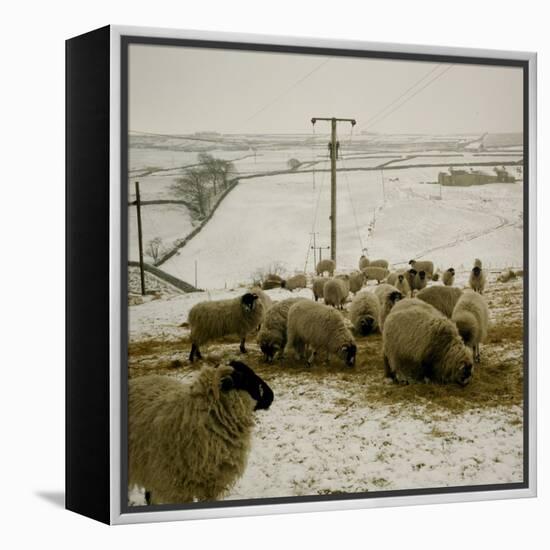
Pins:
x: 333, y: 146
x: 140, y: 239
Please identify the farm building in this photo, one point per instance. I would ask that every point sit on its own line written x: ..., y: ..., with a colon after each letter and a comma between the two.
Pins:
x: 474, y: 177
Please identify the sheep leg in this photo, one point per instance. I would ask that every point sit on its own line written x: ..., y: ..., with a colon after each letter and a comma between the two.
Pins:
x: 148, y: 499
x: 195, y: 351
x: 241, y: 347
x: 388, y: 373
x: 477, y: 355
x: 309, y: 361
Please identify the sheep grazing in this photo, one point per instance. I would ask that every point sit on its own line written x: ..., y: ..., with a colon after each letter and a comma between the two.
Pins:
x: 356, y: 281
x: 319, y: 328
x: 471, y: 315
x: 295, y: 282
x: 477, y: 280
x: 375, y: 273
x: 190, y: 441
x: 420, y: 280
x: 327, y: 266
x: 318, y: 287
x: 420, y: 343
x: 449, y: 277
x: 335, y: 292
x: 272, y: 335
x: 388, y: 296
x: 363, y: 262
x: 426, y: 266
x: 210, y: 320
x: 443, y: 298
x: 507, y: 275
x: 379, y: 263
x: 477, y: 263
x: 364, y: 313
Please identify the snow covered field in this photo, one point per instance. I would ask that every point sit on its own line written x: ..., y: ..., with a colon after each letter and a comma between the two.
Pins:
x: 333, y: 429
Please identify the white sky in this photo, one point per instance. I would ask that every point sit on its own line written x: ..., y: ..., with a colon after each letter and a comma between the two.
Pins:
x: 184, y: 90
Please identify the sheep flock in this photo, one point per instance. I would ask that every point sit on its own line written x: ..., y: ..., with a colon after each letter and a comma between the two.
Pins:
x: 410, y: 326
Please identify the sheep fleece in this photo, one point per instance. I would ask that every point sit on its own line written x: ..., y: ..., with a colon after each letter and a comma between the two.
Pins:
x: 209, y: 320
x: 417, y: 337
x: 187, y: 440
x: 443, y: 298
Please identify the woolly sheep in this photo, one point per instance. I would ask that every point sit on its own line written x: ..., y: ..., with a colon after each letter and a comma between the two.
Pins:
x: 210, y: 320
x: 443, y: 298
x: 424, y: 265
x: 402, y: 285
x: 356, y: 281
x: 435, y: 276
x: 272, y: 335
x: 268, y: 284
x: 420, y: 280
x: 388, y: 296
x: 335, y: 292
x: 345, y: 278
x: 420, y: 343
x: 297, y: 281
x: 363, y: 262
x: 477, y: 280
x: 326, y: 265
x: 191, y: 440
x: 375, y: 273
x: 449, y: 277
x: 364, y: 313
x: 379, y: 263
x: 471, y: 316
x: 409, y: 276
x: 391, y: 279
x: 267, y: 302
x: 506, y: 276
x: 319, y: 328
x: 318, y: 287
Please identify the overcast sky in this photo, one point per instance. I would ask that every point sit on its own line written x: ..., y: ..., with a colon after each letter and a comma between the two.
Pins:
x: 185, y: 90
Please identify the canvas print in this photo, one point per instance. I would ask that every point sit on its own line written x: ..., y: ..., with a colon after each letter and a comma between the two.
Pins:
x: 326, y: 269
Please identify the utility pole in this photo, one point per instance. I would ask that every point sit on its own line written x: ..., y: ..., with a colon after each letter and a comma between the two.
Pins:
x: 314, y: 248
x: 140, y: 239
x: 333, y: 147
x: 383, y: 185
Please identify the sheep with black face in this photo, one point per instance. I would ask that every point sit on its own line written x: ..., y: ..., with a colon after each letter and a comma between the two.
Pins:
x: 191, y: 441
x: 217, y: 318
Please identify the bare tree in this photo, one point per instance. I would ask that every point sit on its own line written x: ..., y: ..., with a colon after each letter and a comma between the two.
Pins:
x: 154, y: 248
x: 193, y: 186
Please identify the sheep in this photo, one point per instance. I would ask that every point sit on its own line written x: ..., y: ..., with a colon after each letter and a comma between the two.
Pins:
x: 319, y: 328
x: 326, y: 265
x: 391, y: 279
x: 477, y: 263
x: 379, y: 263
x: 364, y: 313
x: 471, y: 316
x: 425, y: 265
x: 409, y: 276
x: 272, y: 335
x: 356, y: 281
x: 375, y: 273
x: 209, y: 320
x: 506, y: 276
x: 388, y: 296
x: 297, y: 281
x: 267, y: 302
x: 346, y: 279
x: 318, y: 287
x: 363, y: 262
x: 449, y: 277
x: 477, y: 280
x: 191, y: 440
x: 435, y: 276
x: 420, y: 280
x: 268, y: 284
x: 336, y: 292
x: 443, y: 298
x: 402, y: 285
x: 420, y: 343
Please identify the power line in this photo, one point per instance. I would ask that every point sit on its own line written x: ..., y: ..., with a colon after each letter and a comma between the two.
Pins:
x: 413, y: 95
x: 281, y: 95
x: 391, y: 104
